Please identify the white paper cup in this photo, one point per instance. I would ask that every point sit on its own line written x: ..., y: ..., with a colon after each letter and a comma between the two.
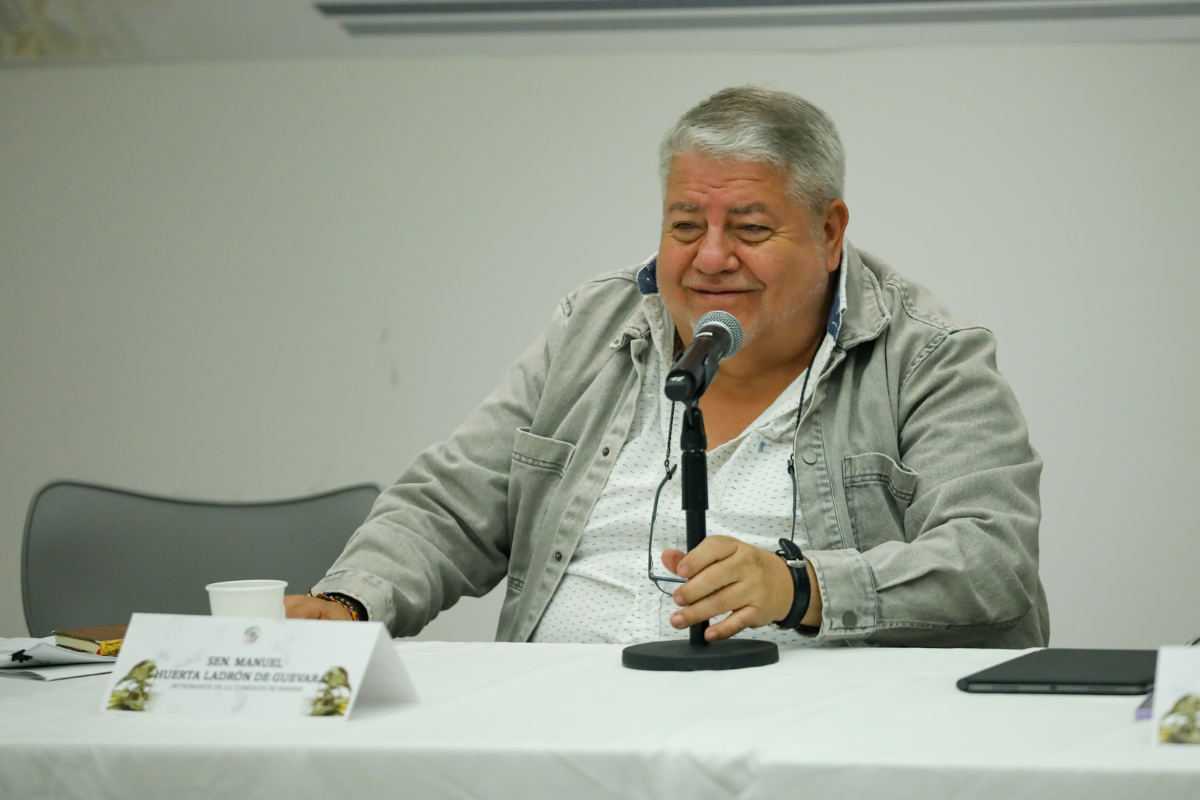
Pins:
x: 247, y: 598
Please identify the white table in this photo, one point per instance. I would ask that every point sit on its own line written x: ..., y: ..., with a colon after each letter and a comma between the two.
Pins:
x: 567, y: 721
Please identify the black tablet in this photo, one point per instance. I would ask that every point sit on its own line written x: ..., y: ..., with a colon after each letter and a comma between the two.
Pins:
x: 1068, y: 671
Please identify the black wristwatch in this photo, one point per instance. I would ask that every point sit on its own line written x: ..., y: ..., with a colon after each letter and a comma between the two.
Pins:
x: 790, y: 552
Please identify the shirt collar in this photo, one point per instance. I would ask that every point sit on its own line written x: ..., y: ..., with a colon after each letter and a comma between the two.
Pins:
x: 837, y: 308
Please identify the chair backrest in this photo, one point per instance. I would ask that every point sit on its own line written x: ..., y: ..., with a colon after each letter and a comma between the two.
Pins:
x: 94, y: 555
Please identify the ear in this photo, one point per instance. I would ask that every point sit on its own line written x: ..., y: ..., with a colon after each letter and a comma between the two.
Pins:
x: 837, y: 217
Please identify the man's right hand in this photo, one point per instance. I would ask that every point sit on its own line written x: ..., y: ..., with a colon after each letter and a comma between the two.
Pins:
x: 301, y: 606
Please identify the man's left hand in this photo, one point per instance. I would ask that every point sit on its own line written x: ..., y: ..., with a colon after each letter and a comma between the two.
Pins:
x: 726, y: 574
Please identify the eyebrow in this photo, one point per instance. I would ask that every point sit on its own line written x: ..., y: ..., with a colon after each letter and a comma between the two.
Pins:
x: 753, y: 208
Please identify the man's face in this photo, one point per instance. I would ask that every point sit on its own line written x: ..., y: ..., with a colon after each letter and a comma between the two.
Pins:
x: 734, y: 240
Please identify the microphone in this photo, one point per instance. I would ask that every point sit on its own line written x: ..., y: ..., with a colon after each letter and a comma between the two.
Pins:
x: 717, y: 336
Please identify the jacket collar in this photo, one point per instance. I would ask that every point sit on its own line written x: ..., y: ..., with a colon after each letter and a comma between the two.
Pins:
x: 865, y: 316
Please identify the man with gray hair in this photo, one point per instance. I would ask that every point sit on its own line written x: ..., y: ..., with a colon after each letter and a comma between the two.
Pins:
x: 860, y: 422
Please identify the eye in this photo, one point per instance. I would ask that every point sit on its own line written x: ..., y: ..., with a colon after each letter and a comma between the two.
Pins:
x: 686, y: 231
x: 754, y: 233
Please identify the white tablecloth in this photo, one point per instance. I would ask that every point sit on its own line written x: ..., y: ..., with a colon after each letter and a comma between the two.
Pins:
x: 568, y: 722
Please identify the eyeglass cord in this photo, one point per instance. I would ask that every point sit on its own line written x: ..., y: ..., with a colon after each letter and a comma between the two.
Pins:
x: 795, y: 440
x: 669, y: 471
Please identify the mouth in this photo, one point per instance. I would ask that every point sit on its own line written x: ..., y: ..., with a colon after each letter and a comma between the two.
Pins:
x: 719, y: 295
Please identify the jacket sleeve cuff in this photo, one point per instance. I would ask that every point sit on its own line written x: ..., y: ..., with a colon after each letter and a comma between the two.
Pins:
x: 848, y: 594
x: 364, y: 587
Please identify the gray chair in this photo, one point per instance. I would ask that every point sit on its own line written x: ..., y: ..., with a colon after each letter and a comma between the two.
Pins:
x: 94, y: 555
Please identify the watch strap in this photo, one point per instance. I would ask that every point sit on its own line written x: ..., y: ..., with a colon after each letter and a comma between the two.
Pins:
x: 790, y: 552
x: 801, y: 594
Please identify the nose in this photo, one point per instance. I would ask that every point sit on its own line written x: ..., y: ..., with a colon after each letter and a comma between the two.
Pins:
x: 715, y: 254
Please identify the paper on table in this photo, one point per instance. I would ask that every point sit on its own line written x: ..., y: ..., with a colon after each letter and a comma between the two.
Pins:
x: 57, y: 673
x: 44, y: 653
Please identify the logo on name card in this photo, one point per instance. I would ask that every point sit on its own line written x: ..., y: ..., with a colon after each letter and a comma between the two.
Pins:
x: 333, y: 696
x: 1176, y: 712
x: 252, y: 635
x: 1181, y: 725
x: 135, y: 691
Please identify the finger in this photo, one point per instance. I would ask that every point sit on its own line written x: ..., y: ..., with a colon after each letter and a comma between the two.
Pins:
x: 741, y: 564
x: 712, y: 579
x: 732, y: 625
x: 713, y: 548
x: 714, y: 605
x: 671, y: 559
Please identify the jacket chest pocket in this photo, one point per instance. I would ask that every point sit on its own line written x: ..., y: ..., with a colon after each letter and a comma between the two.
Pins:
x: 538, y: 464
x: 878, y: 492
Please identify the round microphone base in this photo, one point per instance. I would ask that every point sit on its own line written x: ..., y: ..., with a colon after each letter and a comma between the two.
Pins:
x: 683, y: 656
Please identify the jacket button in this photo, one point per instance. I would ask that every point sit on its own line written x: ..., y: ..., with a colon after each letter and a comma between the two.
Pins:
x: 849, y: 619
x: 604, y: 452
x: 809, y: 457
x: 558, y: 557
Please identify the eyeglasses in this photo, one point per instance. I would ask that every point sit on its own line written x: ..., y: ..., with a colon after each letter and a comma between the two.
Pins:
x: 660, y: 580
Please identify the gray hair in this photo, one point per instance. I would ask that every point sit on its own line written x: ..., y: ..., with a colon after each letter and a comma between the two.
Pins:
x: 754, y: 123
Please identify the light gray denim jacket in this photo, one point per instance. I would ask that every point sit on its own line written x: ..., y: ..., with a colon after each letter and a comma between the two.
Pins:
x: 917, y: 482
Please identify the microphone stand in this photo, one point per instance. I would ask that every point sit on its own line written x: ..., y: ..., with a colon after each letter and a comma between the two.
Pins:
x: 697, y: 653
x: 693, y: 445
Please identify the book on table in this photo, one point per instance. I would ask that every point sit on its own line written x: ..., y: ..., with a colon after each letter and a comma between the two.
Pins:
x: 100, y: 640
x: 42, y: 659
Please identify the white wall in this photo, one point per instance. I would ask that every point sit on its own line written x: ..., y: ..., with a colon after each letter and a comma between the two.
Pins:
x: 257, y: 280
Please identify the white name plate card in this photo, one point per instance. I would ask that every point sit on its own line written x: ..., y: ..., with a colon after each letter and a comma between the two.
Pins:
x: 1177, y: 696
x: 195, y: 666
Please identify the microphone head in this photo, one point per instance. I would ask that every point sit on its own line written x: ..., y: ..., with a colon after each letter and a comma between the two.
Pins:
x: 724, y: 320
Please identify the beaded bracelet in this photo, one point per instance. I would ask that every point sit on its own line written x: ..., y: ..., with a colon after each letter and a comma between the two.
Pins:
x: 343, y: 603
